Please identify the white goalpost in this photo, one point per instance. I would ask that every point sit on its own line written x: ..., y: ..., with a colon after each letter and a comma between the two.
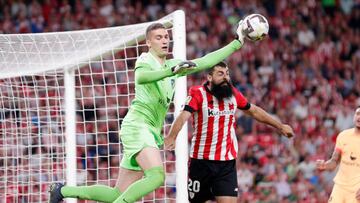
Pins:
x: 62, y: 99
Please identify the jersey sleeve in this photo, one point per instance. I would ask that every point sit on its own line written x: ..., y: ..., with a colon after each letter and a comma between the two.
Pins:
x: 143, y: 65
x: 241, y: 101
x: 194, y: 100
x: 211, y: 59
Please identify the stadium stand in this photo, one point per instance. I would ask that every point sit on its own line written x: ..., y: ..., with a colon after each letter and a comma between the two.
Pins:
x: 306, y: 71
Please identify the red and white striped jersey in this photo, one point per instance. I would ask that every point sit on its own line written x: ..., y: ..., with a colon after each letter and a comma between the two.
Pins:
x: 214, y: 123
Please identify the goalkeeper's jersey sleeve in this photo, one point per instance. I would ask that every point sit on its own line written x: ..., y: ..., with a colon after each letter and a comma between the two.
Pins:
x: 152, y: 100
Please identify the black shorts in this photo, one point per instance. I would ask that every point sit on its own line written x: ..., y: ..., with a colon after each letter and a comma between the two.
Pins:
x: 208, y: 179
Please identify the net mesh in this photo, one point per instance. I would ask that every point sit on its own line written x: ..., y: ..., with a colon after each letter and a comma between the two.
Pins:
x: 32, y: 109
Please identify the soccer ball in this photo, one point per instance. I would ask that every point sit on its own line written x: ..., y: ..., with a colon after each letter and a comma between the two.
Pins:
x: 256, y: 27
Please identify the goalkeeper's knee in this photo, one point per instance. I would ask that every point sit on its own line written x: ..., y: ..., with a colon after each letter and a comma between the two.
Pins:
x: 156, y: 175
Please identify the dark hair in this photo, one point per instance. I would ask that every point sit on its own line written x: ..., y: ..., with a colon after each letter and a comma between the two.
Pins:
x: 152, y: 27
x: 222, y: 64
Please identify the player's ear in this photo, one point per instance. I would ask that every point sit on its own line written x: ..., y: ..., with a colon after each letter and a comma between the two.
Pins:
x: 147, y: 38
x: 209, y: 77
x: 148, y: 43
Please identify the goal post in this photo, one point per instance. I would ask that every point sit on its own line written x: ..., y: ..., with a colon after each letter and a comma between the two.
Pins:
x: 181, y: 150
x: 63, y: 96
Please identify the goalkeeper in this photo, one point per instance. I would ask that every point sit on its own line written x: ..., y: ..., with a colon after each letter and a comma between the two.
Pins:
x: 142, y: 170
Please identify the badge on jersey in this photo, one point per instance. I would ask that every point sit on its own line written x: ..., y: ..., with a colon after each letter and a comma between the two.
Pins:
x: 191, y: 194
x: 188, y: 99
x: 172, y: 83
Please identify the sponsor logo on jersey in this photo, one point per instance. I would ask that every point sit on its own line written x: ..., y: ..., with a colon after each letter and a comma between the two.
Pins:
x: 353, y: 158
x: 212, y: 112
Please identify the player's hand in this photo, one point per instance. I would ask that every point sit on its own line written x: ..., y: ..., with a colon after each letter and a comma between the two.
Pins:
x: 240, y: 32
x: 169, y: 142
x: 287, y: 131
x: 183, y: 67
x: 358, y: 195
x: 320, y: 164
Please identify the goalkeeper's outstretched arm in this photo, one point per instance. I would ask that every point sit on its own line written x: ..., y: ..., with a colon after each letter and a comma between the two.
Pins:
x: 144, y: 74
x: 213, y: 58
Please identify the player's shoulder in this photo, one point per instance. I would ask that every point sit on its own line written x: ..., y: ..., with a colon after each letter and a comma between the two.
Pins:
x: 145, y: 60
x: 238, y: 95
x: 145, y: 56
x: 347, y: 132
x: 236, y: 91
x: 196, y: 89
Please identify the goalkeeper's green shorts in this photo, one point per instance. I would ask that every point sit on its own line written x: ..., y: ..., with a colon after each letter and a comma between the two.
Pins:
x: 136, y: 136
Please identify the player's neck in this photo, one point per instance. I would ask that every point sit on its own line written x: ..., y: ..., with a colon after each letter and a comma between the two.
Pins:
x: 160, y: 59
x: 357, y: 131
x: 209, y: 86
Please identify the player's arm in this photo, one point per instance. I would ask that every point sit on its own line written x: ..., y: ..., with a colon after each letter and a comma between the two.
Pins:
x: 193, y: 104
x: 144, y: 74
x: 330, y: 164
x: 213, y: 58
x: 260, y: 115
x: 175, y: 129
x: 358, y: 195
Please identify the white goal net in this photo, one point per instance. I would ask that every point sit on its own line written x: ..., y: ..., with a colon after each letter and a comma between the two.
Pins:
x: 62, y: 99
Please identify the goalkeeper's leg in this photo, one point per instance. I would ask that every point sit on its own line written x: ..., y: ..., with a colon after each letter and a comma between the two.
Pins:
x: 100, y: 193
x: 150, y: 161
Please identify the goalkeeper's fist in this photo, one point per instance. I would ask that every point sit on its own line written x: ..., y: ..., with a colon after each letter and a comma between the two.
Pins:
x: 240, y: 32
x: 183, y: 67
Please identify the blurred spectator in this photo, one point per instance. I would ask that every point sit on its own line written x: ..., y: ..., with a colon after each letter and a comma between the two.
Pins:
x: 305, y: 72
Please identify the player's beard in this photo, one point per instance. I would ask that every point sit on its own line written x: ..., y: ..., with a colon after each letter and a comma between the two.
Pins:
x: 221, y: 91
x: 357, y: 126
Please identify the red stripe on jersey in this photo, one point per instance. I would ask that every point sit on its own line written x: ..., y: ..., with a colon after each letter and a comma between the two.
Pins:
x: 210, y: 127
x: 221, y: 132
x: 198, y: 133
x: 233, y: 150
x: 228, y: 139
x: 240, y: 99
x: 214, y: 134
x: 195, y: 98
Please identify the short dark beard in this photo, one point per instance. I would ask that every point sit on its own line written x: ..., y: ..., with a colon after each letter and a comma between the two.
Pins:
x: 357, y: 127
x: 221, y: 91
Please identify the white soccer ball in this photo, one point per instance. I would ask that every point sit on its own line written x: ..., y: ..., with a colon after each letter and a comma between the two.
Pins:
x: 256, y: 27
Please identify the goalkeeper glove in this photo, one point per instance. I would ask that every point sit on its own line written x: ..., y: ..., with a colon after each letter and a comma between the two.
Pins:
x: 240, y: 32
x: 183, y: 67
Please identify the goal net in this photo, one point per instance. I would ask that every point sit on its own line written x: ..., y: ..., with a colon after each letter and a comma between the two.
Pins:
x: 62, y: 99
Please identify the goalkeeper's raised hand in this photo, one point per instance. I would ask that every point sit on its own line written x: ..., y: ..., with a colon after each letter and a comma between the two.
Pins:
x: 240, y: 32
x: 183, y: 67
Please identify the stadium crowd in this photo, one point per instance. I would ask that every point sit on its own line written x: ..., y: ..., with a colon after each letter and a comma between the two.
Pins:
x: 306, y: 71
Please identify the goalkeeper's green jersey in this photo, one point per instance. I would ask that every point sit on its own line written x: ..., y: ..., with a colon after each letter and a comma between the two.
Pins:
x: 152, y: 99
